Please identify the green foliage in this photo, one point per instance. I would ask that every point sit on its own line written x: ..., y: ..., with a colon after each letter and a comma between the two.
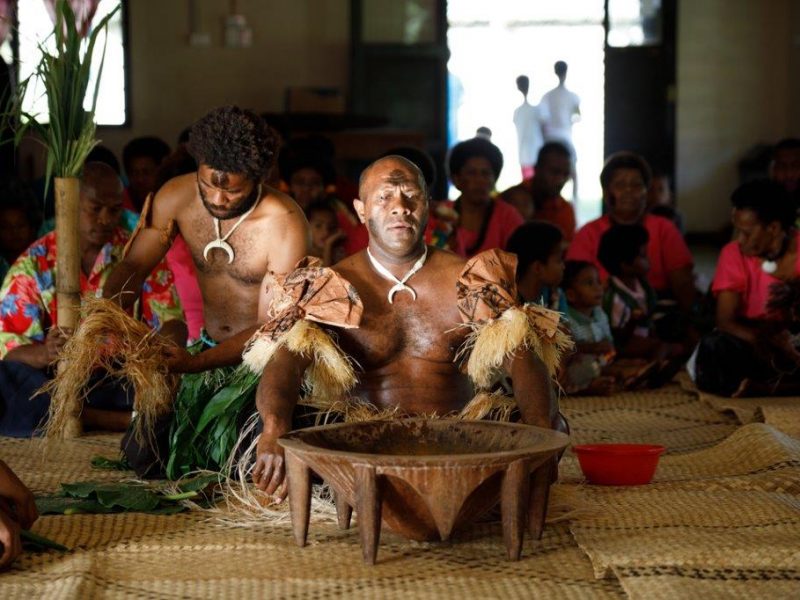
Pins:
x: 33, y: 542
x: 110, y: 464
x: 131, y: 496
x: 65, y: 74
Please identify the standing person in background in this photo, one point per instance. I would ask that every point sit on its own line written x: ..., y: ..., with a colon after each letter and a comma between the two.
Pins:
x: 141, y: 158
x: 528, y: 120
x: 561, y: 108
x: 483, y: 222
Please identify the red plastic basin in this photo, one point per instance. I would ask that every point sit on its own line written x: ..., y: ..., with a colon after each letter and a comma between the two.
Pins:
x: 618, y: 464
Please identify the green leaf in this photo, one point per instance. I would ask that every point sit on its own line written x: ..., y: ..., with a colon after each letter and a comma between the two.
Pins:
x: 110, y: 464
x: 33, y: 542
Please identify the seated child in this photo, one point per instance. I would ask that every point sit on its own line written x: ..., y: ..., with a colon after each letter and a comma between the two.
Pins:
x: 326, y: 237
x: 629, y: 301
x: 539, y: 247
x: 594, y: 344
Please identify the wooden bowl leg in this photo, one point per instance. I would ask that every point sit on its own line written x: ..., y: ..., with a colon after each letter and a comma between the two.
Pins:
x: 299, y: 480
x: 540, y: 493
x: 368, y: 507
x: 513, y: 506
x: 343, y: 510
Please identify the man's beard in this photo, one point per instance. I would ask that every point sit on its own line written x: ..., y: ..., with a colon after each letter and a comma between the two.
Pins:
x: 236, y: 211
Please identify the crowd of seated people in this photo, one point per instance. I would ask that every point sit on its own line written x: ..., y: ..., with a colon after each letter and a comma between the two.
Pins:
x: 626, y: 289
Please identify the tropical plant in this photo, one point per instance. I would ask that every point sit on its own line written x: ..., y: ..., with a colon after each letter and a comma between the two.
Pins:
x: 64, y: 74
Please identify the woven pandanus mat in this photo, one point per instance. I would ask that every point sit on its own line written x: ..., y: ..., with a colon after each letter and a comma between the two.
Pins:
x: 198, y: 555
x: 44, y: 466
x: 190, y: 556
x: 640, y: 534
x: 670, y: 417
x: 711, y: 524
x: 781, y: 412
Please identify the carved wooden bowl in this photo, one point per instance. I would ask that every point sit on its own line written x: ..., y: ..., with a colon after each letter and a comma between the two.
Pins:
x: 424, y: 478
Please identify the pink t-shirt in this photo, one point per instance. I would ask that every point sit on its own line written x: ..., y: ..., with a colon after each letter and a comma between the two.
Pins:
x: 666, y: 249
x: 504, y: 221
x: 179, y: 259
x: 743, y: 274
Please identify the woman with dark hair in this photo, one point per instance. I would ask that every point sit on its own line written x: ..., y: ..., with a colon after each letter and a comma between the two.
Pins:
x: 752, y: 351
x: 483, y: 222
x: 625, y: 179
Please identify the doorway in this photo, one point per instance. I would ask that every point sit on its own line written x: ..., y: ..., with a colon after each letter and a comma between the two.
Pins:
x: 490, y: 48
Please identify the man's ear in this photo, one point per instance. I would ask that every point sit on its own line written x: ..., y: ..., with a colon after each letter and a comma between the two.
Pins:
x: 359, y: 206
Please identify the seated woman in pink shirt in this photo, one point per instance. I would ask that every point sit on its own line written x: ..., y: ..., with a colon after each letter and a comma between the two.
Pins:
x: 484, y: 222
x: 752, y: 351
x: 625, y: 179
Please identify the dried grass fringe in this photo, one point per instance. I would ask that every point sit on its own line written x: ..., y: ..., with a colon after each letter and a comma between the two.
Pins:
x: 108, y: 339
x: 330, y: 374
x: 489, y: 344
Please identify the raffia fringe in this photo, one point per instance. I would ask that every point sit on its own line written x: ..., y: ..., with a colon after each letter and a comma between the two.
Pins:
x: 330, y: 374
x: 489, y: 344
x: 109, y: 340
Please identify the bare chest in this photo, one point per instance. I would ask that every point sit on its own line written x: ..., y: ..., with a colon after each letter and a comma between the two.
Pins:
x: 246, y: 245
x: 427, y: 328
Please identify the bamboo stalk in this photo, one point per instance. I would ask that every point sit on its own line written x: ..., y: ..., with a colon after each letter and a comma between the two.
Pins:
x: 68, y: 282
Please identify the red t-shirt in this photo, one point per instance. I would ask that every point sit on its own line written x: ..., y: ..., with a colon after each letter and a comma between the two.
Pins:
x: 504, y: 221
x: 666, y: 250
x: 560, y: 213
x: 743, y: 274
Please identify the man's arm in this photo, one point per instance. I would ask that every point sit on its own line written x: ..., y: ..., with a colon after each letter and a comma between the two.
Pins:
x: 533, y: 391
x: 148, y: 246
x: 277, y: 395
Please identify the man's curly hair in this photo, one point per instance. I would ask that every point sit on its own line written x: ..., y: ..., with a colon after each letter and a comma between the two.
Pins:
x: 234, y: 140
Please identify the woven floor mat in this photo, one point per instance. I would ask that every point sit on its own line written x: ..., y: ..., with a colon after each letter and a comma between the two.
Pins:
x: 43, y: 467
x: 196, y: 555
x: 650, y: 528
x: 711, y: 523
x: 670, y: 417
x: 781, y: 412
x: 189, y: 556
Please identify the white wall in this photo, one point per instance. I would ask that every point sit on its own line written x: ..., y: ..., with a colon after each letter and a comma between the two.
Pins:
x: 737, y: 71
x: 295, y: 43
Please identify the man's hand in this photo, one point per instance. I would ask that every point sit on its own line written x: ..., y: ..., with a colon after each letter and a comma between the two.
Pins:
x: 18, y: 497
x: 54, y: 344
x: 175, y: 331
x: 10, y: 542
x: 179, y: 360
x: 269, y: 474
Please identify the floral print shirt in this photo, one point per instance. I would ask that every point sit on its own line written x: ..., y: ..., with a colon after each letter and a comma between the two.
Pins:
x: 28, y: 294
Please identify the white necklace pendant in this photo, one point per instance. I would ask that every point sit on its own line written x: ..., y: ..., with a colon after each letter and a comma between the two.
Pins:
x: 400, y: 284
x: 769, y: 266
x: 222, y: 245
x: 221, y: 241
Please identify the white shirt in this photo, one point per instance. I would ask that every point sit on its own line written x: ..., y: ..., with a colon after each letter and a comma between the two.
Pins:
x: 561, y: 105
x: 528, y: 120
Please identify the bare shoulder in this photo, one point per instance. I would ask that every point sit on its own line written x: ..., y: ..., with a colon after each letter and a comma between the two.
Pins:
x: 351, y: 266
x: 176, y: 195
x: 282, y: 212
x: 448, y: 264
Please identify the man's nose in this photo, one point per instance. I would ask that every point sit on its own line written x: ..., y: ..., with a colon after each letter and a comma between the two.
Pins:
x: 401, y: 205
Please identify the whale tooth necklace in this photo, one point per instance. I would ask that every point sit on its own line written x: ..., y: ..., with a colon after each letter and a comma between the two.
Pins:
x: 399, y: 284
x: 221, y: 241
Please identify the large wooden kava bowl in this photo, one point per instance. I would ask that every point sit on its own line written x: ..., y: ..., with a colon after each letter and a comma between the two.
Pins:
x: 424, y: 478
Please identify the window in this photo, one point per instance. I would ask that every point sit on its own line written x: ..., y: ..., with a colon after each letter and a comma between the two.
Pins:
x: 34, y: 27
